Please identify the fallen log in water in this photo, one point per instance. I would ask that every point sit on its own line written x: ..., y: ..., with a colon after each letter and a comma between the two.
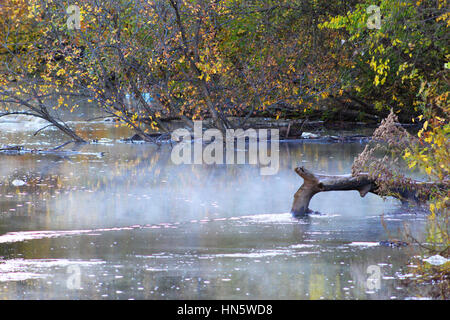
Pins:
x: 315, y: 183
x: 20, y: 150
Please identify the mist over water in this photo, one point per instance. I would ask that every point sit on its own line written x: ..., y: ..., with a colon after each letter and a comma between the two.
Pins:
x: 138, y: 226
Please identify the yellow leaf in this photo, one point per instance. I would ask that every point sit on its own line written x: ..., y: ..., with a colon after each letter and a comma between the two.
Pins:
x: 376, y: 81
x: 432, y: 207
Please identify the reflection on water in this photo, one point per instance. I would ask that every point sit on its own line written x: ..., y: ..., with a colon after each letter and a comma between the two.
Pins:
x: 140, y: 227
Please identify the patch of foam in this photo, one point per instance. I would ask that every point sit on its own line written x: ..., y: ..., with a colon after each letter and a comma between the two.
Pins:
x: 251, y: 255
x: 156, y: 270
x: 33, y: 235
x: 25, y: 269
x: 21, y: 236
x: 281, y: 218
x: 20, y: 276
x: 322, y: 216
x: 257, y: 254
x: 301, y: 246
x: 364, y: 244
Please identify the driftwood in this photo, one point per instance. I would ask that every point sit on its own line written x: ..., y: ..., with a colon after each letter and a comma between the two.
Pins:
x: 315, y: 183
x: 20, y: 150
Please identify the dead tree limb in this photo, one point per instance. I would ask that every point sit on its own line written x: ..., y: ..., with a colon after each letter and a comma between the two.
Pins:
x: 315, y: 183
x: 20, y: 150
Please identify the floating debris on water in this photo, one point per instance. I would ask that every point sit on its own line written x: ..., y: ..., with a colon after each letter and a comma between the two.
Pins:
x: 18, y: 183
x: 394, y: 243
x: 436, y: 260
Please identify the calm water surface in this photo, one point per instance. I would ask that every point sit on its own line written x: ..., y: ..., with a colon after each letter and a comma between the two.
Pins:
x: 129, y: 224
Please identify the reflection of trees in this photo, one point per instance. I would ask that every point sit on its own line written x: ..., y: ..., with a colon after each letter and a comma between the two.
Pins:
x: 84, y: 186
x: 331, y: 158
x: 42, y: 180
x: 83, y: 183
x: 316, y: 286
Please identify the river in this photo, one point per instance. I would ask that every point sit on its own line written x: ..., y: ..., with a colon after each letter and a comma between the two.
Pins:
x: 121, y: 221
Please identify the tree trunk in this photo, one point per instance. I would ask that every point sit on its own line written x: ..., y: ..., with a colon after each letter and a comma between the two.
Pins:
x: 315, y: 183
